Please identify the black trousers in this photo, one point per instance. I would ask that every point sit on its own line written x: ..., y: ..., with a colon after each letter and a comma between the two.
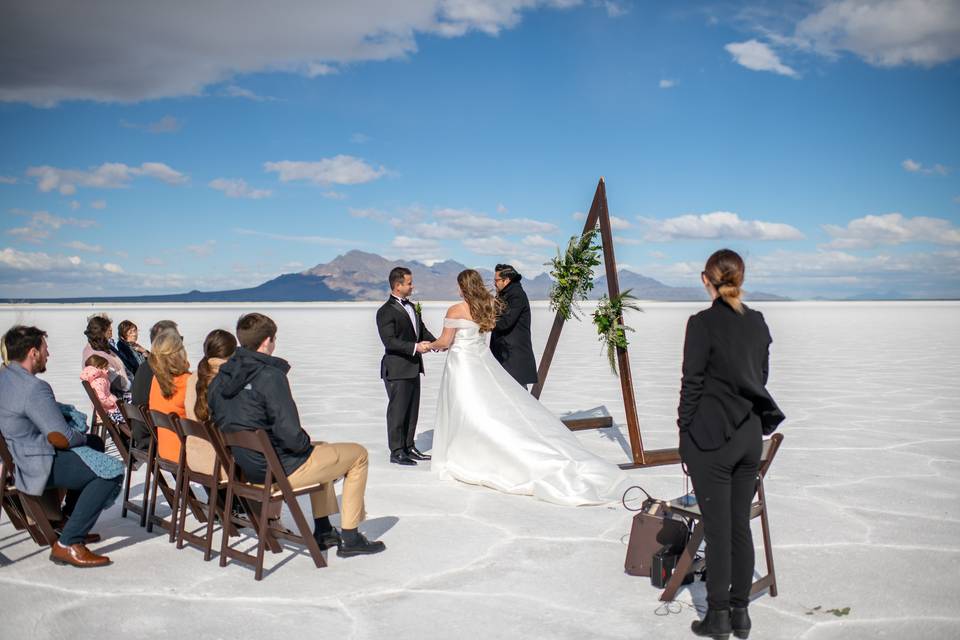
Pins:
x: 86, y: 492
x: 725, y: 481
x: 403, y: 410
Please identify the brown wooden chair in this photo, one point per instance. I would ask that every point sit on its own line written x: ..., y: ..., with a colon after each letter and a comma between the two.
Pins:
x: 275, y: 489
x: 213, y: 483
x: 758, y: 509
x: 120, y: 433
x: 132, y: 415
x: 38, y: 515
x: 159, y: 420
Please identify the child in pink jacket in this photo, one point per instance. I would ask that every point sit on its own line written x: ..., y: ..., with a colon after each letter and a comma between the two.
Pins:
x: 96, y: 371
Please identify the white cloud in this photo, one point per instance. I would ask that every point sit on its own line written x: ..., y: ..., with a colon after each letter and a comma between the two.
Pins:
x: 501, y: 208
x: 758, y: 56
x: 74, y: 205
x: 98, y: 204
x: 339, y: 169
x: 579, y: 216
x: 104, y: 51
x: 885, y: 33
x: 42, y: 223
x: 8, y: 180
x: 718, y: 224
x: 83, y: 246
x: 321, y: 240
x: 166, y: 124
x: 537, y: 240
x: 667, y: 84
x: 891, y: 229
x: 371, y: 214
x: 110, y: 175
x: 464, y: 223
x: 202, y: 250
x: 334, y: 195
x: 112, y: 268
x: 913, y: 166
x: 615, y: 8
x: 233, y: 91
x: 658, y: 255
x: 152, y: 261
x: 360, y: 138
x: 619, y: 224
x: 238, y: 188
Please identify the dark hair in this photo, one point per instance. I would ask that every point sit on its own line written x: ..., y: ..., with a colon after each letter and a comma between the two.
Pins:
x: 507, y: 271
x: 397, y: 274
x: 20, y: 339
x: 725, y: 272
x: 161, y: 325
x: 253, y: 329
x: 124, y: 328
x: 96, y: 361
x: 219, y: 344
x: 96, y: 333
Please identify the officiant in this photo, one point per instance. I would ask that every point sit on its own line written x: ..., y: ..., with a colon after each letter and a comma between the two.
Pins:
x: 510, y: 340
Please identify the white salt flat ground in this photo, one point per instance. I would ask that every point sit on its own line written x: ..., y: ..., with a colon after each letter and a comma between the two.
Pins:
x: 863, y: 497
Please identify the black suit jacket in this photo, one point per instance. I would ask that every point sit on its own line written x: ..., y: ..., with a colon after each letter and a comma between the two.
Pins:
x: 725, y: 363
x: 510, y: 339
x: 400, y: 361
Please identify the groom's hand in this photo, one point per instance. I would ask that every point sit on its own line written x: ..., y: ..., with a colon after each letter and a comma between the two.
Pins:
x: 423, y: 347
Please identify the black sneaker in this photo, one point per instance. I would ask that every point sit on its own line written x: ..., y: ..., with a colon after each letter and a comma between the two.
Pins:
x: 359, y: 547
x: 328, y: 539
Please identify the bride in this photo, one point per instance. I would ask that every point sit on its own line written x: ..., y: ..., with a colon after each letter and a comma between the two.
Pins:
x: 491, y: 431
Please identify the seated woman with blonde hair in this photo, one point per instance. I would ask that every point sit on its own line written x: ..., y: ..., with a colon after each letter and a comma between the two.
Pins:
x: 168, y: 390
x: 490, y: 431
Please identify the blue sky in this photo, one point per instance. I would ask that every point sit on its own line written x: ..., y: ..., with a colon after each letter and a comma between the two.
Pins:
x: 168, y: 147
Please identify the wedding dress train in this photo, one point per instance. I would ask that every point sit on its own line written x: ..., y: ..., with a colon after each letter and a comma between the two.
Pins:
x: 490, y: 431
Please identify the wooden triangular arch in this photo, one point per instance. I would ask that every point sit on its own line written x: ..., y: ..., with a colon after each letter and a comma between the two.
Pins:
x: 599, y: 214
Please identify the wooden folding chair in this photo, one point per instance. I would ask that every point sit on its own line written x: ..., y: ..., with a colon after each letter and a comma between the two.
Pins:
x: 275, y: 488
x: 36, y: 514
x: 212, y: 483
x: 159, y: 420
x: 132, y: 415
x: 758, y: 508
x: 120, y: 433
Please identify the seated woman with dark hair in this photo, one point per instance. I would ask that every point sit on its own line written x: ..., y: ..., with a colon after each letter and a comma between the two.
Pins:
x: 99, y: 333
x: 131, y: 353
x: 217, y: 349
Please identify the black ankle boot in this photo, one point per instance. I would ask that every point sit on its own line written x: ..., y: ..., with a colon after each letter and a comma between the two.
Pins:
x: 716, y: 624
x: 740, y: 622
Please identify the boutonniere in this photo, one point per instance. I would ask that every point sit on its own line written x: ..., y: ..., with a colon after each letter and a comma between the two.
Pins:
x: 417, y: 308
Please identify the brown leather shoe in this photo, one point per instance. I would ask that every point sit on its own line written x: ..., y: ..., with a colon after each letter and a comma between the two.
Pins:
x: 76, y: 555
x: 58, y: 440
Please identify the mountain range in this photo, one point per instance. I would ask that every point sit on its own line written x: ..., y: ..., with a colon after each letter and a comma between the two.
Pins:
x: 357, y: 275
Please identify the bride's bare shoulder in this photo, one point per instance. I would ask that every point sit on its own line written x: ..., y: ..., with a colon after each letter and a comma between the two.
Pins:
x: 459, y: 311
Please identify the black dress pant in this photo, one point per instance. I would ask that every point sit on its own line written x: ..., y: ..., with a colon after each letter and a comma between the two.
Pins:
x: 86, y: 493
x: 725, y: 481
x: 403, y: 410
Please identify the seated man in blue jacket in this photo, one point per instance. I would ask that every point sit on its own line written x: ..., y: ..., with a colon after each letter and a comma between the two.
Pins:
x: 29, y: 415
x: 251, y: 392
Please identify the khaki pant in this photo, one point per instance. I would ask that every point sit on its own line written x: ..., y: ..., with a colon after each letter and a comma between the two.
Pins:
x: 327, y: 463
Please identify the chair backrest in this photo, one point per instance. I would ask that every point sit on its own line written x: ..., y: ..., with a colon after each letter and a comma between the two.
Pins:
x: 193, y: 428
x: 770, y: 447
x: 120, y: 433
x: 136, y: 416
x: 6, y: 461
x: 159, y: 420
x: 257, y: 440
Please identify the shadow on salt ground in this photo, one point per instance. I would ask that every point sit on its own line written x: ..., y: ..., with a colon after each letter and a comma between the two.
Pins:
x: 424, y: 441
x: 376, y: 527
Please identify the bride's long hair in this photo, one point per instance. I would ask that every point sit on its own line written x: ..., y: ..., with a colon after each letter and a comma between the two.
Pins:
x: 484, y: 307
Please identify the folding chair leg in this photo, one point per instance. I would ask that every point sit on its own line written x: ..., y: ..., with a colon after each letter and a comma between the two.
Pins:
x: 35, y: 510
x: 152, y: 491
x: 771, y: 576
x: 684, y: 564
x: 305, y: 532
x: 213, y: 494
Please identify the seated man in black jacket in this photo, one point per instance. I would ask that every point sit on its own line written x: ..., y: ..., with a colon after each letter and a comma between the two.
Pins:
x: 251, y: 391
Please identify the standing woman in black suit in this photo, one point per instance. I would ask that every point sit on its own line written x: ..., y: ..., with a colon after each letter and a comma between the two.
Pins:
x: 725, y: 410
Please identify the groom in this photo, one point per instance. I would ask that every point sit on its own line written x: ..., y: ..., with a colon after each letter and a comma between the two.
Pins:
x: 404, y: 338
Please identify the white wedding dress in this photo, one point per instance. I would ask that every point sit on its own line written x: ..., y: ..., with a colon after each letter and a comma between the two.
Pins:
x: 490, y: 431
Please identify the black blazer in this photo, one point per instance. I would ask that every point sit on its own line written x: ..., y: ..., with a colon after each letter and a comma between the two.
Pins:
x: 400, y: 361
x: 725, y: 363
x: 510, y: 339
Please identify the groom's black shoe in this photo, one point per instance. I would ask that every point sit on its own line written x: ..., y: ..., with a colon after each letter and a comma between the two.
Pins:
x: 400, y: 457
x: 356, y: 544
x: 416, y: 454
x: 327, y: 539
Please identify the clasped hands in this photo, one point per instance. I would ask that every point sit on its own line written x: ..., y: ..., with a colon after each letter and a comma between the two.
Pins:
x: 425, y: 346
